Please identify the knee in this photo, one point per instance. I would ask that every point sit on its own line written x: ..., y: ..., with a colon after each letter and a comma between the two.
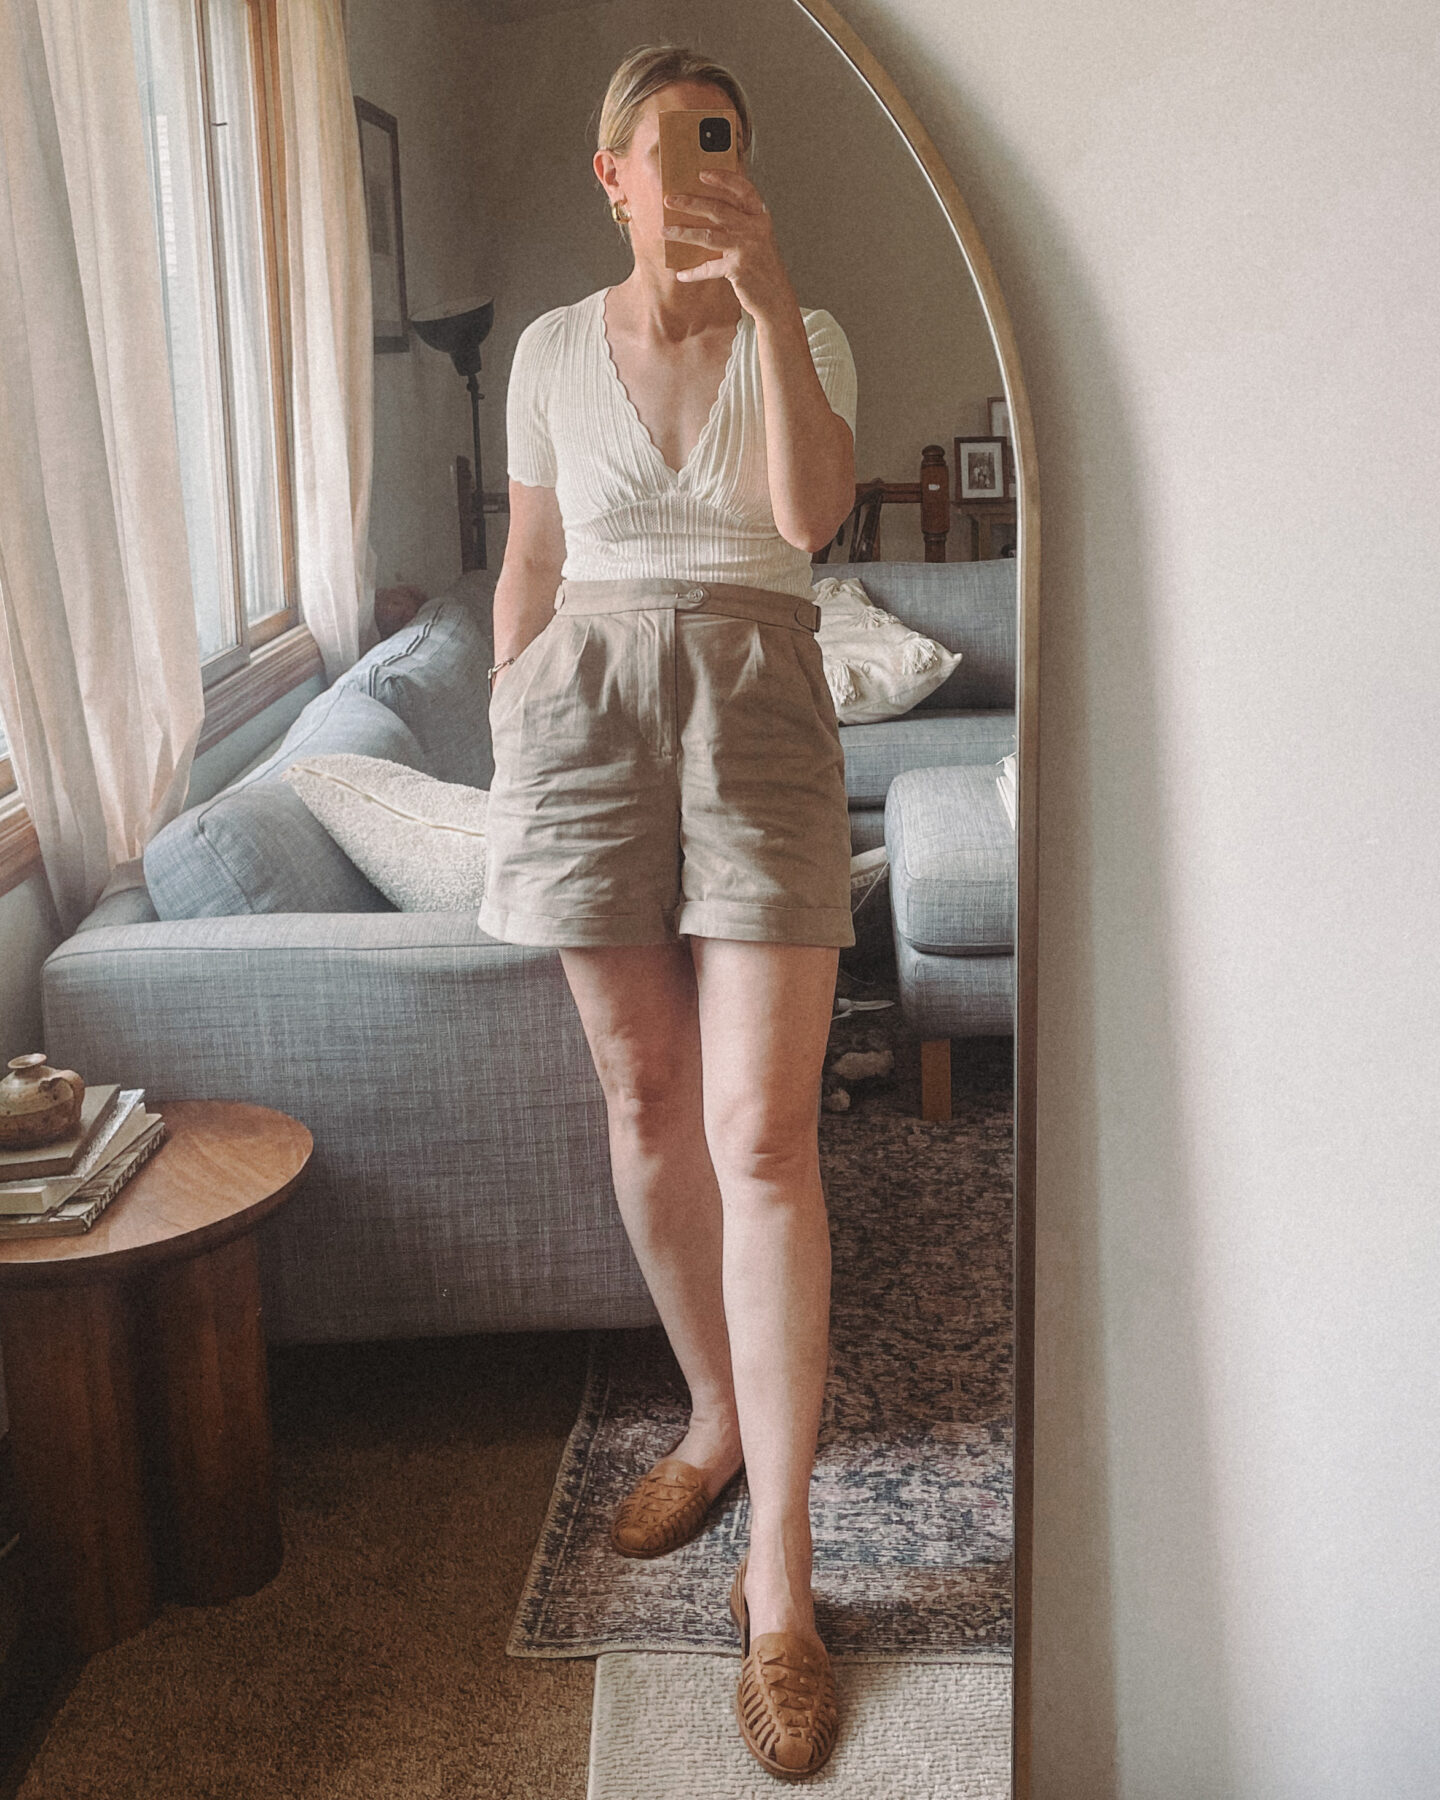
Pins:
x: 770, y: 1156
x: 646, y: 1102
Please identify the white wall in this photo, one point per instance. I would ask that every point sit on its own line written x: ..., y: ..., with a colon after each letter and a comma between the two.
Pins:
x: 1217, y: 230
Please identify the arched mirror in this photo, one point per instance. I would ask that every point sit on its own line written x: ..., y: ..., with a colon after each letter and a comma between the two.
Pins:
x: 920, y: 1491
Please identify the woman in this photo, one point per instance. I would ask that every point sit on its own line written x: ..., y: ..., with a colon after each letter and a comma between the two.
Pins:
x: 669, y: 810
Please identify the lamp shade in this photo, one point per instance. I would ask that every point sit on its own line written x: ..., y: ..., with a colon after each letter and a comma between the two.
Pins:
x: 458, y: 330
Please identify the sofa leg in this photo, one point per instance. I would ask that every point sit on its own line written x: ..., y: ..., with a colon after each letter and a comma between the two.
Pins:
x: 935, y: 1080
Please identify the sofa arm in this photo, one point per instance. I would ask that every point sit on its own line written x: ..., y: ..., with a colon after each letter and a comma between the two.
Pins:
x: 295, y: 1009
x: 126, y: 906
x: 460, y: 1179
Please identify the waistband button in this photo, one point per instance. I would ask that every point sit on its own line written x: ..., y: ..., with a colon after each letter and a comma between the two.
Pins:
x: 694, y: 593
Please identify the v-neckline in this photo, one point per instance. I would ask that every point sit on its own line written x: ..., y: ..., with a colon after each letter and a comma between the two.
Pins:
x: 642, y: 428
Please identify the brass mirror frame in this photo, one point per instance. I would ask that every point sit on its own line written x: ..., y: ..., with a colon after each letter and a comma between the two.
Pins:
x: 1027, y: 922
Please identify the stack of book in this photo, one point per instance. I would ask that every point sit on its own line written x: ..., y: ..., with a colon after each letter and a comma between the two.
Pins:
x: 62, y: 1188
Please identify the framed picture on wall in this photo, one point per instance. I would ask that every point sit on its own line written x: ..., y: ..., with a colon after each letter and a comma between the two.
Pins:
x: 380, y: 169
x: 980, y: 468
x: 998, y: 408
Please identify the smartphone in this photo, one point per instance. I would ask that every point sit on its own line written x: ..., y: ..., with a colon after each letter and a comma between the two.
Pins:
x: 692, y: 140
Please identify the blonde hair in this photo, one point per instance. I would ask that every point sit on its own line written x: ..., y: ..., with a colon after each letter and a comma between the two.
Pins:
x: 645, y: 72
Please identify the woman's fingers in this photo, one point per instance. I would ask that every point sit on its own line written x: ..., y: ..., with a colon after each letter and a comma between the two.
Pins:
x: 704, y: 206
x: 689, y: 234
x: 736, y: 187
x: 706, y: 271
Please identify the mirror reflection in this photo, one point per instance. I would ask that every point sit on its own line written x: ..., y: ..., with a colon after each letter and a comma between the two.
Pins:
x: 578, y: 990
x: 830, y: 1446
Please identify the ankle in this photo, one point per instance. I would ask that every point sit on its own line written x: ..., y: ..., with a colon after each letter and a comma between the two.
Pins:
x: 717, y: 1428
x: 779, y: 1599
x: 713, y: 1449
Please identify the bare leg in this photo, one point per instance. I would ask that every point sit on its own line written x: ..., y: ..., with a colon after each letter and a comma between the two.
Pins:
x: 764, y: 1023
x: 638, y: 1008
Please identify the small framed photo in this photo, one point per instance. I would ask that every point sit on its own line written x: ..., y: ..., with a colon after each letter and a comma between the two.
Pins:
x: 380, y: 171
x: 999, y: 410
x: 980, y: 468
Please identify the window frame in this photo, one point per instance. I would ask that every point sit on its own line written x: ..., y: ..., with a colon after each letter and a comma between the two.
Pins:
x: 277, y: 651
x: 253, y: 635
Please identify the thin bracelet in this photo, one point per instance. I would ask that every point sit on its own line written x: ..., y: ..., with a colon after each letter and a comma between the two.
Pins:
x: 495, y: 669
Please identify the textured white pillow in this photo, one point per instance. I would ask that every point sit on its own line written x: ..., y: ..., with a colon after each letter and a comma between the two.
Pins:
x: 421, y: 841
x: 876, y: 666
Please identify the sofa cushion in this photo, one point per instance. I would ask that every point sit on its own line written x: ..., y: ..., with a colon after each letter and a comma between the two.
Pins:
x: 969, y: 607
x: 421, y: 841
x: 952, y: 862
x: 255, y: 848
x: 876, y: 754
x: 433, y: 674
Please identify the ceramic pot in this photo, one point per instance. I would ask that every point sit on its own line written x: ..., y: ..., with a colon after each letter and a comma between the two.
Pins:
x: 38, y: 1104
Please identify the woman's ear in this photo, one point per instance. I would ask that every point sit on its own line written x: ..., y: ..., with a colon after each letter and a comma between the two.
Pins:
x: 607, y: 174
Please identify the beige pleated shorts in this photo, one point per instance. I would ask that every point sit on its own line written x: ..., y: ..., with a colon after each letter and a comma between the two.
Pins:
x: 668, y: 763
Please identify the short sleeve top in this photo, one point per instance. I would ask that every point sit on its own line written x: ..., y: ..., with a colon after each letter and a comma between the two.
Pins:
x: 571, y: 426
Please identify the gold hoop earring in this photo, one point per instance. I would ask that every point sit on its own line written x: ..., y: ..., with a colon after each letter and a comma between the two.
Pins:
x: 620, y: 217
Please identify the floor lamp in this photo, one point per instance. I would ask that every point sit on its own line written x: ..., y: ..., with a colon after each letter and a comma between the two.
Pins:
x: 459, y: 331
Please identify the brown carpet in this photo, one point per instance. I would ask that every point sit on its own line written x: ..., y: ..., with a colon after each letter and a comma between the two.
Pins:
x: 414, y: 1479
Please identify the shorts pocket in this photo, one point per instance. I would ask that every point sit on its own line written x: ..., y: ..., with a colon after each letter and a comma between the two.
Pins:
x: 565, y: 692
x: 810, y: 662
x: 515, y: 677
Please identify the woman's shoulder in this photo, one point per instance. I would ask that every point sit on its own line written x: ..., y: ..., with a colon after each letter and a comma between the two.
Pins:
x: 561, y: 322
x: 819, y: 322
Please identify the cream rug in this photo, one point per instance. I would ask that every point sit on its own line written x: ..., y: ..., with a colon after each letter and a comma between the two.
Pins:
x: 908, y: 1731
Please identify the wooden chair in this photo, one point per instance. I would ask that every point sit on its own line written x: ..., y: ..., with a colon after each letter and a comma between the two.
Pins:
x: 931, y: 493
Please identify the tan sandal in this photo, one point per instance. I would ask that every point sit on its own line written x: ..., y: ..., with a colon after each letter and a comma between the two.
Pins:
x: 665, y: 1509
x: 785, y: 1699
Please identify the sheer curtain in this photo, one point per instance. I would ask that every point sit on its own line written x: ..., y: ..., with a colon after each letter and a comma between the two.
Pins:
x: 331, y: 336
x: 99, y: 666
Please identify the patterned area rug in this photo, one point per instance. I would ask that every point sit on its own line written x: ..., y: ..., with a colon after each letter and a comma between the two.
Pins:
x: 911, y: 1496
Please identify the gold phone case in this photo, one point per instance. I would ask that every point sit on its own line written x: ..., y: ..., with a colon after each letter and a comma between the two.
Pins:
x: 681, y: 160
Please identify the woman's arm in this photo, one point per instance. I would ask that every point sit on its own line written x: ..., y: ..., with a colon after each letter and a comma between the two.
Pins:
x: 530, y: 573
x: 809, y: 448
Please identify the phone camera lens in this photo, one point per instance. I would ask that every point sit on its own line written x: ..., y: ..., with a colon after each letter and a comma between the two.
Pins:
x: 715, y: 135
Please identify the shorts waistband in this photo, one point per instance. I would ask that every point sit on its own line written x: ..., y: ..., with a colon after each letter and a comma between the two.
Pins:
x: 734, y: 601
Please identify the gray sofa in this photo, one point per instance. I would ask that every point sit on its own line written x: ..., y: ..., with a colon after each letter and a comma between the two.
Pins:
x: 970, y: 719
x: 460, y: 1180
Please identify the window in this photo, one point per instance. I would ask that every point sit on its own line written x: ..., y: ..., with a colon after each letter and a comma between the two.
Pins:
x: 204, y: 68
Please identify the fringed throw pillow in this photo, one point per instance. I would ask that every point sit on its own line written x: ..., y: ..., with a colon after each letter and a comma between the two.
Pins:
x: 876, y: 666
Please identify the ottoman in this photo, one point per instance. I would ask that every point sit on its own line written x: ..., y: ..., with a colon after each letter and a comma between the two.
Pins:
x: 951, y: 849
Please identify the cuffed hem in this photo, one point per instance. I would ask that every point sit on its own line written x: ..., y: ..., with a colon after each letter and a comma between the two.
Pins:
x: 827, y: 927
x: 570, y: 931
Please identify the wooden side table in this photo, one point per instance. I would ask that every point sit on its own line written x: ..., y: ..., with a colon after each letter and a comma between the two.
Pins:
x: 136, y: 1380
x: 981, y: 517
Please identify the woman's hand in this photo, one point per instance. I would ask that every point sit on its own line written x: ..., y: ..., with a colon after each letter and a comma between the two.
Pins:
x: 741, y: 234
x: 529, y: 575
x: 810, y: 453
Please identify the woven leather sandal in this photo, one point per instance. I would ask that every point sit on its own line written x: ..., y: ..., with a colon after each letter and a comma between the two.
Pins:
x: 785, y: 1699
x: 665, y: 1509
